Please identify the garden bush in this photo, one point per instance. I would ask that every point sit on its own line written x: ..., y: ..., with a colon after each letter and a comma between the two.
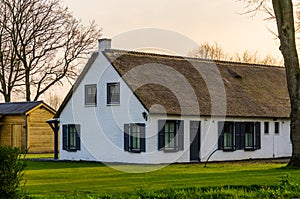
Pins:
x: 12, y: 166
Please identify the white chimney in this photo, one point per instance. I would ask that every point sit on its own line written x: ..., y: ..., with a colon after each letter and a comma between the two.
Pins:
x: 104, y: 43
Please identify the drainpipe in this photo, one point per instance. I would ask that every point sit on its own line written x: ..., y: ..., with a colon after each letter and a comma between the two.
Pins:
x: 273, y: 144
x: 25, y: 133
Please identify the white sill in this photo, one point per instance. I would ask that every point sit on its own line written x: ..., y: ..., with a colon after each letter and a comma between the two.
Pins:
x: 113, y: 104
x: 90, y: 105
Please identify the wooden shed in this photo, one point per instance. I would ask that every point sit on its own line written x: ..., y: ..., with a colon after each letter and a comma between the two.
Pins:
x: 23, y: 125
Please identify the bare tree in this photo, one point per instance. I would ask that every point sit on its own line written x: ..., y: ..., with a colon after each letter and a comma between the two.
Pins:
x: 10, y: 68
x: 216, y: 52
x: 283, y: 12
x: 209, y: 51
x: 47, y: 42
x: 54, y: 100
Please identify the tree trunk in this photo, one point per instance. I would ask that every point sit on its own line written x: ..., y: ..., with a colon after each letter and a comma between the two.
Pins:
x: 27, y: 84
x: 7, y: 98
x: 283, y: 10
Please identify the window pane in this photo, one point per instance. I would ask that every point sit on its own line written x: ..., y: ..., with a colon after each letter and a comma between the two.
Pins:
x: 249, y: 140
x: 172, y: 127
x: 170, y: 135
x: 172, y: 141
x: 113, y: 95
x: 90, y: 94
x: 72, y: 137
x: 167, y: 127
x: 167, y: 139
x: 135, y: 137
x: 249, y: 135
x: 228, y: 135
x: 228, y: 140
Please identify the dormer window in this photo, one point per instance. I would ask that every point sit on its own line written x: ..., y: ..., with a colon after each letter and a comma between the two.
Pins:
x: 113, y: 93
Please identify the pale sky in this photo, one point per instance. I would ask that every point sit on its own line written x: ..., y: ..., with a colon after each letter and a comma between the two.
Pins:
x: 199, y: 20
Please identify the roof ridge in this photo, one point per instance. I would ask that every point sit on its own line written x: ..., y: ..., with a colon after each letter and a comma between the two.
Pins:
x: 22, y: 102
x: 203, y: 60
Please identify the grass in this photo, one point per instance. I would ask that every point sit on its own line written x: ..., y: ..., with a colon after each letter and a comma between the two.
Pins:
x: 39, y: 155
x: 53, y: 179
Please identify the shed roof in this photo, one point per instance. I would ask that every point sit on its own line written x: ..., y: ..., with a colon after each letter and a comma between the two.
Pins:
x: 19, y: 108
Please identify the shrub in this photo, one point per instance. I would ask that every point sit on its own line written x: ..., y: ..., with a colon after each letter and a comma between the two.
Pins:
x: 11, y: 172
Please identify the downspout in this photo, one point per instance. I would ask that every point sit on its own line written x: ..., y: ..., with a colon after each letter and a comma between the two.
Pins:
x: 273, y: 144
x: 25, y: 133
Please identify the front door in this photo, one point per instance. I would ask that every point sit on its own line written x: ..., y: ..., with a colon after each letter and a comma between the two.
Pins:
x: 195, y: 140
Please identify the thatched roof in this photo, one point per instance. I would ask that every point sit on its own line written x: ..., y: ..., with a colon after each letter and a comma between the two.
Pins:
x: 189, y: 86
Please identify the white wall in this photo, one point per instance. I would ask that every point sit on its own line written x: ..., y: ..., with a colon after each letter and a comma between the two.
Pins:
x: 272, y: 145
x: 102, y: 127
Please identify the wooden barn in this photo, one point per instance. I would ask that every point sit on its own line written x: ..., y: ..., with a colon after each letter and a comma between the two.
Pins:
x: 23, y: 125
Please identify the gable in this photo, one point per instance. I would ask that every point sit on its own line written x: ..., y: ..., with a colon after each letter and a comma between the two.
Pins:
x: 77, y: 83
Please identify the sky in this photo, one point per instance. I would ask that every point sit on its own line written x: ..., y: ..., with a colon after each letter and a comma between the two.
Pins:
x: 197, y: 21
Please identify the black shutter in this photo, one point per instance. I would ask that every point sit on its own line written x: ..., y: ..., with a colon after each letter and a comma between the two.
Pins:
x: 77, y: 126
x: 257, y: 135
x: 220, y: 135
x: 126, y: 137
x: 243, y: 131
x: 161, y: 134
x: 180, y: 135
x: 143, y: 138
x: 65, y: 136
x: 238, y: 135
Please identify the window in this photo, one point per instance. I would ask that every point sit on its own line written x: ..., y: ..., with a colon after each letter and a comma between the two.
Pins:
x: 276, y: 127
x: 266, y: 125
x: 113, y: 93
x: 226, y: 141
x: 90, y: 94
x: 249, y: 135
x: 71, y: 137
x: 170, y: 136
x: 239, y: 136
x: 134, y: 137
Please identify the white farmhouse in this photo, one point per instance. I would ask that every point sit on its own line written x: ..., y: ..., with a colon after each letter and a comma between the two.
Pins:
x: 134, y: 107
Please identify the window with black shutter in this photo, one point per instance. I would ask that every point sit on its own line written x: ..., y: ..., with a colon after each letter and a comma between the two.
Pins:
x: 171, y: 135
x: 113, y: 93
x: 239, y: 136
x: 226, y: 136
x: 134, y: 137
x: 71, y: 137
x: 249, y: 135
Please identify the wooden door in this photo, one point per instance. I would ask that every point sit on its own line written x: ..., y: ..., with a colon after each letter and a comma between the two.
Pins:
x: 16, y: 135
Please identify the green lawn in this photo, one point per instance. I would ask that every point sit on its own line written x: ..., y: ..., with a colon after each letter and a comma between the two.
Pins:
x: 49, y: 179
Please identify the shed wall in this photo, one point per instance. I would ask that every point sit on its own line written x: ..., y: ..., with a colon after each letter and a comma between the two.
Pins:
x: 12, y: 131
x: 40, y: 134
